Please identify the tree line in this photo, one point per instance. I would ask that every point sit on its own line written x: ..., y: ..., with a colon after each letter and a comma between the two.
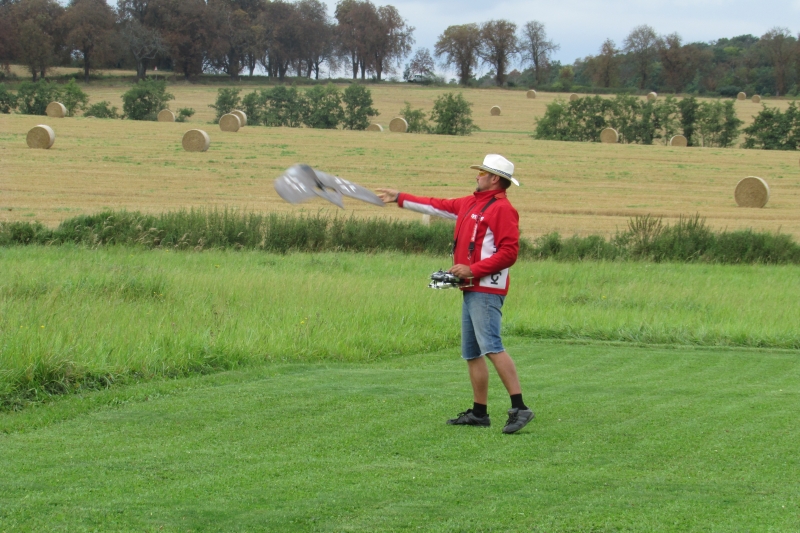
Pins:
x: 298, y: 38
x: 197, y: 36
x: 647, y: 61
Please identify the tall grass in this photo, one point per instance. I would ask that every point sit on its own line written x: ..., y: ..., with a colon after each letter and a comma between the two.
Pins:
x: 645, y: 239
x: 689, y: 240
x: 73, y: 318
x: 199, y: 229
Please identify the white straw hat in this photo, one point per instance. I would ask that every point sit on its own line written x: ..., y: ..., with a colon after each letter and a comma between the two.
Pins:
x: 499, y: 166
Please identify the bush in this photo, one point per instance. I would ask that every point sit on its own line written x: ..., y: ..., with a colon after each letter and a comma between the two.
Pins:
x: 8, y: 100
x: 279, y: 106
x: 73, y: 98
x: 145, y: 99
x: 227, y: 101
x: 689, y: 109
x: 101, y: 110
x: 358, y: 108
x: 638, y: 121
x: 184, y: 113
x: 774, y: 130
x: 416, y: 119
x: 284, y: 107
x: 323, y: 107
x: 452, y: 115
x: 254, y: 105
x: 717, y: 124
x: 33, y: 98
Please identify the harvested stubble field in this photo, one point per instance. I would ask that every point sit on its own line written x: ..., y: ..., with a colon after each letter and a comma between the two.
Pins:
x: 572, y: 188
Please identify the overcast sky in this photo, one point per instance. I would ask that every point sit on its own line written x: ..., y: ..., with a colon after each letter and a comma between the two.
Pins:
x: 581, y: 26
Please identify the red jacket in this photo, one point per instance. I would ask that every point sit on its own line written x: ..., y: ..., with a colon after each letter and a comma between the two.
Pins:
x: 496, y: 240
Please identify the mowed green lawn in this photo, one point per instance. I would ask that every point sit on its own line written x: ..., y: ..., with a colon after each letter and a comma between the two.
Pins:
x: 626, y: 439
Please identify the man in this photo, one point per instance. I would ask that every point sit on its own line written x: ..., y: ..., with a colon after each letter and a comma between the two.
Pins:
x: 486, y: 244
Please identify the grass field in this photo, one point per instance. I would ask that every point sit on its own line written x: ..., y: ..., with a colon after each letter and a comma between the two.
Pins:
x: 573, y: 188
x: 626, y: 439
x: 72, y: 318
x: 149, y: 390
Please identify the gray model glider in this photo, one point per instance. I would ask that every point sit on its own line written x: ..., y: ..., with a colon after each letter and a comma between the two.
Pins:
x: 301, y: 182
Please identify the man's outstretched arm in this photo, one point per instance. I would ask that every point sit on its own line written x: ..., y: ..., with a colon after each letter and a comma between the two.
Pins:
x: 440, y: 207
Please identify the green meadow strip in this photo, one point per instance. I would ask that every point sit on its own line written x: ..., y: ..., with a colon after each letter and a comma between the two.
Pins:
x: 74, y: 318
x: 646, y: 238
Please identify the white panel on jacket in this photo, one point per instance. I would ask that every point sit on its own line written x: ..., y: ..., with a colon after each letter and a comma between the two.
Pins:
x: 498, y: 280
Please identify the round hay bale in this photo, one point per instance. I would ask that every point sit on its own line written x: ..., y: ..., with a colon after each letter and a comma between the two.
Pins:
x: 398, y: 125
x: 495, y: 111
x: 741, y: 96
x: 41, y: 136
x: 678, y: 140
x: 229, y: 122
x: 374, y: 127
x: 573, y: 97
x: 165, y: 115
x: 242, y: 116
x: 752, y: 192
x: 756, y: 99
x: 609, y: 135
x: 651, y: 97
x: 196, y: 141
x: 56, y: 110
x: 531, y: 94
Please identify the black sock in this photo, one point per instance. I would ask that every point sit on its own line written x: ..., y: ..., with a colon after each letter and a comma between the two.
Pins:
x: 478, y: 409
x: 516, y: 402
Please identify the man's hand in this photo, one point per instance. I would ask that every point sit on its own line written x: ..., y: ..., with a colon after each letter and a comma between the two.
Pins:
x: 388, y: 195
x: 462, y: 271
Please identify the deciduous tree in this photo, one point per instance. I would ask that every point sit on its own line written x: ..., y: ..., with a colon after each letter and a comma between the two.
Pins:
x: 7, y: 42
x: 233, y: 35
x: 143, y: 43
x: 780, y: 48
x: 354, y: 19
x: 316, y: 34
x: 184, y: 27
x: 498, y: 46
x: 281, y: 24
x: 421, y: 64
x: 641, y: 44
x: 536, y: 48
x: 36, y: 34
x: 459, y: 46
x: 389, y: 41
x: 90, y: 24
x: 677, y: 62
x: 606, y: 70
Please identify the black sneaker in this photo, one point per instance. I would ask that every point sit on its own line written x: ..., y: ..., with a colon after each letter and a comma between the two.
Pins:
x: 467, y: 418
x: 517, y: 419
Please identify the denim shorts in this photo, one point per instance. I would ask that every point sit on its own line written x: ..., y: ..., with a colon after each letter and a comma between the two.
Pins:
x: 480, y: 324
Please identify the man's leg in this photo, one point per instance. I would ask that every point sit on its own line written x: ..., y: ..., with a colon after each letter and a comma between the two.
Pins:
x: 519, y: 415
x: 479, y: 377
x: 506, y: 370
